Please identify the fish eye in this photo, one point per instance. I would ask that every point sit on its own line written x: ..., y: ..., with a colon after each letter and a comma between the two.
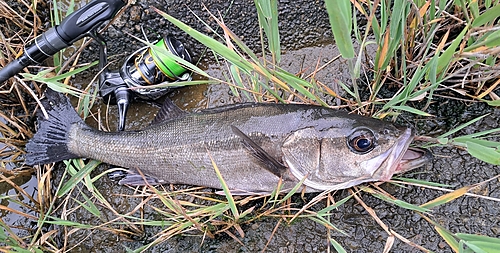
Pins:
x: 361, y: 141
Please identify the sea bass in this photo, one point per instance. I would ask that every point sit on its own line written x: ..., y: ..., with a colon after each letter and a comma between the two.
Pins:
x: 253, y: 145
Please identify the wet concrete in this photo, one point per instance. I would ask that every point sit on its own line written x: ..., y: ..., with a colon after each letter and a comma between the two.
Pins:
x: 362, y: 233
x: 306, y: 39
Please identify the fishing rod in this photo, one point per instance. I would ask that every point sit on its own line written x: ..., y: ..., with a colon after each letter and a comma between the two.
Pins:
x: 72, y: 28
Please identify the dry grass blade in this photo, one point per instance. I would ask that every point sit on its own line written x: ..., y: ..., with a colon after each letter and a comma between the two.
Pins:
x: 8, y: 209
x: 20, y: 190
x: 456, y: 194
x: 389, y: 231
x: 16, y: 17
x: 388, y: 243
x: 447, y: 197
x: 271, y: 236
x: 405, y: 240
x: 234, y: 238
x: 370, y: 211
x: 447, y: 190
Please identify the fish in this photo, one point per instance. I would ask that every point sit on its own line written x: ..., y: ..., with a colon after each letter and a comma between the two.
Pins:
x: 255, y: 146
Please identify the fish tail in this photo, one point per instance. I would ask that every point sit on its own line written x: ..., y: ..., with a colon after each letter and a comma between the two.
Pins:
x: 50, y: 143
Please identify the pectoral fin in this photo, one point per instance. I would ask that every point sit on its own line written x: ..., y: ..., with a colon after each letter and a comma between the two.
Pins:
x: 269, y: 162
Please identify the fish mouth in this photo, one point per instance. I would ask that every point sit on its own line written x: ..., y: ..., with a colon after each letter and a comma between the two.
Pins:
x: 400, y: 158
x: 413, y: 158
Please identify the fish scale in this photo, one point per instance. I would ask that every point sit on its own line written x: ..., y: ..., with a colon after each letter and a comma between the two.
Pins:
x: 180, y: 146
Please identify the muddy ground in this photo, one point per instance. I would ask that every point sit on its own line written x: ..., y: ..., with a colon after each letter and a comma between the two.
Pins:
x: 306, y: 38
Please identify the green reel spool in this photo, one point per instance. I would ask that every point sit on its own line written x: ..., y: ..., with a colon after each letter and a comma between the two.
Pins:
x: 148, y: 66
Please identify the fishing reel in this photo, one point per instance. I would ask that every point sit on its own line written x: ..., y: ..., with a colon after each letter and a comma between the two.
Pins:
x: 145, y: 67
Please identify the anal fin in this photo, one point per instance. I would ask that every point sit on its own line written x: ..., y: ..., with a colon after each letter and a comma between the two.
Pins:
x: 132, y: 178
x: 244, y: 193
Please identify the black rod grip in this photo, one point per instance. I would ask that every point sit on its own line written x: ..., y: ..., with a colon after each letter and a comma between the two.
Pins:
x: 11, y: 69
x: 72, y: 28
x: 88, y: 17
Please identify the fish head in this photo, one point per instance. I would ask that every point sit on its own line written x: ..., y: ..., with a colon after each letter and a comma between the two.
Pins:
x: 339, y: 156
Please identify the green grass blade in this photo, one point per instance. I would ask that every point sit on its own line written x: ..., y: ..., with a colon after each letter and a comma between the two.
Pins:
x: 411, y: 110
x: 326, y: 223
x: 446, y: 58
x: 235, y: 73
x: 474, y: 8
x: 493, y: 103
x: 211, y: 43
x: 91, y: 207
x: 247, y: 212
x: 487, y: 16
x: 489, y: 155
x: 486, y: 143
x: 340, y: 16
x: 56, y: 20
x: 479, y: 243
x: 85, y: 106
x: 61, y: 222
x: 393, y: 35
x: 482, y: 133
x: 226, y: 190
x: 346, y: 89
x: 267, y: 11
x: 293, y: 191
x: 490, y: 40
x: 178, y: 84
x: 408, y: 92
x: 384, y: 15
x: 422, y: 182
x: 461, y: 126
x: 78, y: 177
x: 51, y: 83
x: 337, y: 246
x: 448, y: 237
x: 401, y: 203
x: 299, y: 85
x: 326, y: 210
x: 72, y: 72
x: 477, y: 249
x: 480, y: 238
x: 71, y: 7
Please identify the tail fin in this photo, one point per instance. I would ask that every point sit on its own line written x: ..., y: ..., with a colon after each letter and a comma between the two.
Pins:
x: 50, y: 142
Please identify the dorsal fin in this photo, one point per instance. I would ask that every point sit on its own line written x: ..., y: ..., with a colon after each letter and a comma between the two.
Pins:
x: 269, y: 162
x: 168, y: 111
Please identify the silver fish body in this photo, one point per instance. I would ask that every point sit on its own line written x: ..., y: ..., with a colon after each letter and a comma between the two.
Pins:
x: 252, y: 145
